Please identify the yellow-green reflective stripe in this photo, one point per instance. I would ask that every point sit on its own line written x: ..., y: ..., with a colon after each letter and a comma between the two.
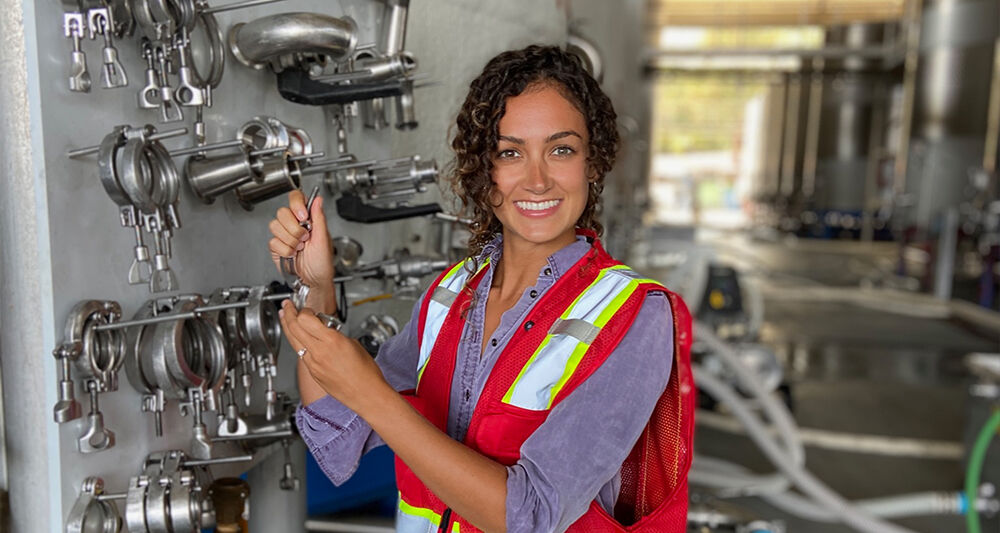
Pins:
x: 421, y: 512
x: 510, y: 392
x: 426, y: 514
x: 574, y: 361
x: 600, y: 276
x: 420, y: 372
x: 576, y: 356
x: 524, y: 369
x: 581, y: 348
x: 616, y: 304
x: 451, y: 273
x: 427, y: 340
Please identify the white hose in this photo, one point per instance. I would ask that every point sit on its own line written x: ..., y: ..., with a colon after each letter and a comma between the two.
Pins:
x: 718, y: 473
x: 850, y: 442
x: 803, y: 479
x: 776, y: 412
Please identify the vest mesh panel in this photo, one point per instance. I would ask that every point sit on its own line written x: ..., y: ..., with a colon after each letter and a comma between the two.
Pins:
x: 658, y: 464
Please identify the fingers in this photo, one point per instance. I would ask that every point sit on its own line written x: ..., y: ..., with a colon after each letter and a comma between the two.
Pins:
x: 287, y: 317
x: 292, y: 321
x: 284, y: 236
x: 297, y: 205
x: 319, y: 218
x: 313, y: 326
x: 279, y: 248
x: 291, y: 223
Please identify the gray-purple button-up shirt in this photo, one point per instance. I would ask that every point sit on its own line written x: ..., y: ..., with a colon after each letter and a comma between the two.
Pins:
x: 575, y: 455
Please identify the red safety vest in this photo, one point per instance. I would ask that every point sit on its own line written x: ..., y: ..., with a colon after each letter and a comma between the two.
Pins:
x: 577, y: 324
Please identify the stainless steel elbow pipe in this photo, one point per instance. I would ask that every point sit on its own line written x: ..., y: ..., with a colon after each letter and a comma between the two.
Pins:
x: 262, y: 42
x: 394, y: 26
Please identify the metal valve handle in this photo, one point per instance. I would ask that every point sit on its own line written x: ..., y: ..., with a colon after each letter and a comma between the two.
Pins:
x: 287, y: 264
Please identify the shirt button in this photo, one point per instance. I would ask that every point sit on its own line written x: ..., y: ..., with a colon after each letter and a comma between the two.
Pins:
x: 548, y: 271
x: 528, y: 325
x: 533, y: 293
x: 493, y: 342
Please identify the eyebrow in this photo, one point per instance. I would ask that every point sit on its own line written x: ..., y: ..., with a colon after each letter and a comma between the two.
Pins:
x: 553, y: 137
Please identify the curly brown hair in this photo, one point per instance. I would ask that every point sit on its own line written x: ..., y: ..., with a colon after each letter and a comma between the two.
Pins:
x: 477, y: 130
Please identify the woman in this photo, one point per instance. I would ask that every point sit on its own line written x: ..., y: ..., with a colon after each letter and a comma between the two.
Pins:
x: 527, y: 374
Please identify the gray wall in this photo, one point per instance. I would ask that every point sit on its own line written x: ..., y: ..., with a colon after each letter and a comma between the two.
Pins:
x: 616, y: 29
x: 62, y: 242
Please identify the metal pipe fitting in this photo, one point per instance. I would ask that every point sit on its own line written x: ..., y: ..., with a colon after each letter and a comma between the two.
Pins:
x: 588, y: 53
x: 406, y: 116
x: 176, y: 355
x: 188, y: 353
x: 261, y: 42
x: 262, y: 325
x: 393, y: 36
x: 167, y: 496
x: 99, y: 357
x: 210, y: 177
x: 375, y: 330
x: 278, y: 176
x: 91, y: 514
x: 215, y: 50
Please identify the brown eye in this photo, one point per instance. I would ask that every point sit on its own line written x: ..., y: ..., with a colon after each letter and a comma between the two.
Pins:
x: 563, y: 150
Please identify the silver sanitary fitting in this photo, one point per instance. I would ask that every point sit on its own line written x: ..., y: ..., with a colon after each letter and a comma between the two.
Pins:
x: 166, y: 498
x: 289, y: 39
x: 183, y: 359
x: 269, y: 163
x: 139, y: 175
x: 387, y: 181
x: 91, y: 514
x: 98, y: 356
x: 375, y: 330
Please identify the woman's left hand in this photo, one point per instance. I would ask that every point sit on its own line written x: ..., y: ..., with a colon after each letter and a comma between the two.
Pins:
x: 339, y: 364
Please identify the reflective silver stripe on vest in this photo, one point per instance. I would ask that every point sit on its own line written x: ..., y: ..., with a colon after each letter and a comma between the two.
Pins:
x: 444, y: 296
x: 559, y: 355
x: 581, y: 330
x: 437, y: 309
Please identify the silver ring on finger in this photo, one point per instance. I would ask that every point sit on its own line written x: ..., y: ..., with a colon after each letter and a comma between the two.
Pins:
x: 301, y: 353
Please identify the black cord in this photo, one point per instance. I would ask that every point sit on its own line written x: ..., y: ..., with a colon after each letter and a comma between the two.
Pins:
x: 341, y: 303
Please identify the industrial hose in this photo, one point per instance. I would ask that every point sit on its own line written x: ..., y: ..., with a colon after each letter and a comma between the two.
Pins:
x: 803, y: 479
x: 714, y: 472
x: 975, y: 470
x: 773, y: 408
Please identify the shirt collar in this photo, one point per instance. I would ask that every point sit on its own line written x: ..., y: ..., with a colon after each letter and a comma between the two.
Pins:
x: 560, y: 262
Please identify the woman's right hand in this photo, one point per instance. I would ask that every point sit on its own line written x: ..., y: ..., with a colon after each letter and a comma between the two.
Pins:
x: 312, y: 250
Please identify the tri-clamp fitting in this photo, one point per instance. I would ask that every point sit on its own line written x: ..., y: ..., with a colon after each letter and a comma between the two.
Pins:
x: 97, y: 356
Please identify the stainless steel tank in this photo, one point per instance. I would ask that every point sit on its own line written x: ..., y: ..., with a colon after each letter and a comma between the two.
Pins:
x: 951, y: 101
x: 848, y: 99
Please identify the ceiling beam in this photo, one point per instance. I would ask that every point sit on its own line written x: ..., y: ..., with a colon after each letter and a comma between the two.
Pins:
x: 770, y: 12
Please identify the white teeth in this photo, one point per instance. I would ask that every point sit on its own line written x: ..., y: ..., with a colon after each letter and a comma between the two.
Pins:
x: 537, y: 206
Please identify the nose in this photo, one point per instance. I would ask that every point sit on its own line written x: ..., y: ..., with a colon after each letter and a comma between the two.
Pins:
x: 537, y: 180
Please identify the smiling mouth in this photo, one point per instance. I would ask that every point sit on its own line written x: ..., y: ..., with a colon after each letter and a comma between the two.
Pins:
x: 536, y: 206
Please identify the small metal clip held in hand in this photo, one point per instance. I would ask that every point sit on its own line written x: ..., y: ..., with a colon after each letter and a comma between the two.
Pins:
x: 287, y: 264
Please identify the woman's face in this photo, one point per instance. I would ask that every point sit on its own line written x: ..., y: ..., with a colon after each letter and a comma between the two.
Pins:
x: 540, y: 168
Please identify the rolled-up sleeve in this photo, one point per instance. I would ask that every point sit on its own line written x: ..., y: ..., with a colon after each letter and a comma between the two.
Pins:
x: 566, y: 464
x: 336, y: 436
